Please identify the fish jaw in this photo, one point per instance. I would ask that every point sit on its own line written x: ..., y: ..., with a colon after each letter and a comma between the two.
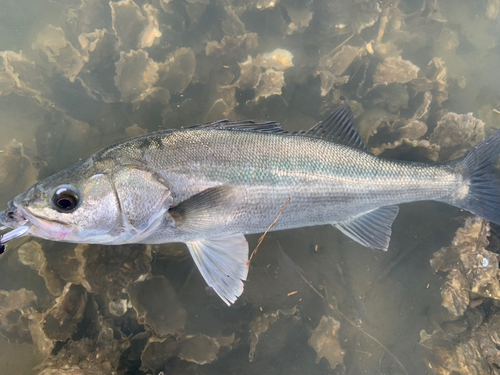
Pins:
x: 15, y: 219
x: 23, y: 223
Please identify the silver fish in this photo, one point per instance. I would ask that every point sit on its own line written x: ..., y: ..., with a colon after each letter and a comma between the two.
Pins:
x: 209, y: 185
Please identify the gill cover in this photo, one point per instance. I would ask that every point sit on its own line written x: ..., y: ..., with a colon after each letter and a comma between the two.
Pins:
x: 144, y: 200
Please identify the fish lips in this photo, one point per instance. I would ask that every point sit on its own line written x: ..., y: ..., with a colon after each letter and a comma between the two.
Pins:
x: 14, y: 216
x: 16, y: 219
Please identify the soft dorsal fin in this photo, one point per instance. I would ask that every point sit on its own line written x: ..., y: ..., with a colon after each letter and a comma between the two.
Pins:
x: 247, y: 125
x: 338, y: 127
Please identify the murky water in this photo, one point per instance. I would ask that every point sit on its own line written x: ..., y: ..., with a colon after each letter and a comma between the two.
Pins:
x: 76, y: 76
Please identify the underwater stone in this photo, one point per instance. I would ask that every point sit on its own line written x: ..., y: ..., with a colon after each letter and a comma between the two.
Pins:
x: 392, y: 97
x: 464, y: 260
x: 409, y: 149
x: 52, y: 41
x: 340, y: 61
x: 250, y: 75
x: 103, y: 272
x: 135, y: 131
x: 97, y: 75
x: 363, y: 14
x: 118, y: 308
x: 60, y: 322
x: 89, y: 16
x: 261, y: 324
x: 369, y: 121
x: 395, y: 70
x: 157, y: 307
x: 200, y: 349
x: 492, y: 9
x: 264, y: 4
x: 300, y: 16
x: 237, y: 45
x: 270, y: 83
x: 177, y: 71
x: 151, y: 32
x: 455, y: 293
x: 96, y: 355
x: 17, y: 170
x: 435, y: 80
x: 455, y: 134
x: 469, y: 350
x: 23, y: 77
x: 231, y: 23
x: 279, y: 59
x: 31, y: 254
x: 128, y: 23
x: 158, y: 352
x: 15, y: 309
x: 325, y: 341
x: 135, y: 74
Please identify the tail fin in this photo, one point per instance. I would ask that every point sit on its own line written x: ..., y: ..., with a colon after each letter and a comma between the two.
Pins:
x: 483, y: 198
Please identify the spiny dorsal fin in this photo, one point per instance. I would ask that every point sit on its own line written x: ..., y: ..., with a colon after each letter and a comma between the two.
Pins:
x: 247, y: 125
x: 371, y: 229
x: 338, y: 127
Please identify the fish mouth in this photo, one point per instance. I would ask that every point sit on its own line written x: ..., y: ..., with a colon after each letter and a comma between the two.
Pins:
x: 14, y: 218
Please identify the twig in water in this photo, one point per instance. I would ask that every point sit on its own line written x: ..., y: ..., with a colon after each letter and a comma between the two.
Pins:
x: 268, y: 229
x: 352, y: 323
x: 323, y: 297
x: 341, y: 44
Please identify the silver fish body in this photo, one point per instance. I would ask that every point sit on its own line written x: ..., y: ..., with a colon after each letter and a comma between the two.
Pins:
x: 210, y: 185
x: 326, y: 182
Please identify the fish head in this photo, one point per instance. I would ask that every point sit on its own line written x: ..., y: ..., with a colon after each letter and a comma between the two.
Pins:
x: 76, y: 205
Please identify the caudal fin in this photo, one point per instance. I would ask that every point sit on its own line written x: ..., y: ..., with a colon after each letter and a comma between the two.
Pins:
x: 483, y: 198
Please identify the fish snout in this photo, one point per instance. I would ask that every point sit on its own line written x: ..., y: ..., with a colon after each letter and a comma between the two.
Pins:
x: 12, y: 217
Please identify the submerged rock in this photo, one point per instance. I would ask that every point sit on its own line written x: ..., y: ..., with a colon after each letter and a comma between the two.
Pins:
x: 176, y: 73
x: 468, y: 256
x: 395, y: 70
x: 52, y: 42
x: 261, y: 324
x: 325, y: 340
x: 15, y: 313
x: 157, y: 307
x: 136, y: 73
x: 61, y: 321
x: 98, y: 355
x: 455, y: 134
x: 467, y: 345
x: 199, y: 349
x: 129, y: 24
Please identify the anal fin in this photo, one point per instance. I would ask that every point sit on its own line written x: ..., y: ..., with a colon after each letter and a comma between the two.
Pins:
x: 371, y: 229
x: 222, y: 262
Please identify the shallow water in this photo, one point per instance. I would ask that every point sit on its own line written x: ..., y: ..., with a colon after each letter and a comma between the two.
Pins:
x: 76, y: 76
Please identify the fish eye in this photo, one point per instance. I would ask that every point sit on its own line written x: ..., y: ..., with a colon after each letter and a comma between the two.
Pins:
x: 65, y: 199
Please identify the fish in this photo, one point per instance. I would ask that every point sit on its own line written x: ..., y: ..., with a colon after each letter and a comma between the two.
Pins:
x: 210, y: 185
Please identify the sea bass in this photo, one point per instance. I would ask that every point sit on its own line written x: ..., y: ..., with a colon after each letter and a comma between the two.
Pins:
x: 209, y: 185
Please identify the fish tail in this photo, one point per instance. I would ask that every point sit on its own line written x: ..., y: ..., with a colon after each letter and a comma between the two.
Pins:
x: 483, y: 196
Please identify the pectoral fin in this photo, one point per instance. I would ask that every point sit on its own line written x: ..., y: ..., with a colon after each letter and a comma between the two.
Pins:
x: 371, y: 229
x: 223, y: 264
x: 206, y: 209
